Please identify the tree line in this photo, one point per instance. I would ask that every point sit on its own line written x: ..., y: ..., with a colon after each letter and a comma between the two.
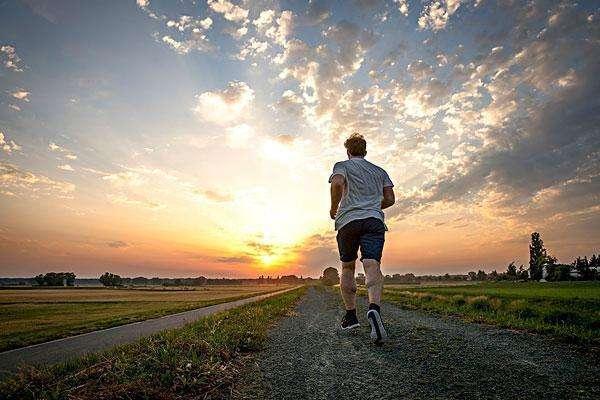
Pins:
x: 542, y: 265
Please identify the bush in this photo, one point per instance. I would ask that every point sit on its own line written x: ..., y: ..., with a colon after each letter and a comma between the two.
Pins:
x: 458, y: 300
x: 521, y: 308
x: 561, y: 317
x: 481, y: 303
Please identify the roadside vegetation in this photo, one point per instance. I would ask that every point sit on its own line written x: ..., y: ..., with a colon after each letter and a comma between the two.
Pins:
x: 30, y: 316
x: 200, y: 360
x: 568, y: 310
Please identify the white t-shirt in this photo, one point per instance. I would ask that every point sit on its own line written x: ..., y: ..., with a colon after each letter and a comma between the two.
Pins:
x: 363, y: 191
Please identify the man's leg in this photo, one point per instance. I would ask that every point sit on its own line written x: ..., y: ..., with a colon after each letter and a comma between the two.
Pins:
x: 348, y: 285
x: 371, y: 247
x: 373, y: 280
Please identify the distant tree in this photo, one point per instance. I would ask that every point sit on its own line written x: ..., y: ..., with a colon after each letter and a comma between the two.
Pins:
x: 538, y: 258
x: 494, y: 275
x: 330, y: 276
x: 39, y: 279
x: 472, y: 276
x: 56, y: 279
x: 582, y: 266
x: 562, y: 272
x: 523, y: 273
x: 481, y: 276
x: 511, y: 271
x: 108, y: 279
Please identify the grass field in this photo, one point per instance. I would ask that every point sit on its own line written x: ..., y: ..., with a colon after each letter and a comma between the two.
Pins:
x: 29, y: 316
x: 200, y: 360
x: 569, y: 310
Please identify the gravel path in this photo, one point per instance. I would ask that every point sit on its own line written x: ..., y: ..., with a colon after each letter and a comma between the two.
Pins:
x: 74, y: 346
x: 427, y: 357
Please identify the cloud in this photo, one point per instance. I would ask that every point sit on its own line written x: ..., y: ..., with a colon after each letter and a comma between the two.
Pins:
x: 66, y: 167
x: 125, y: 179
x: 264, y: 19
x: 282, y: 28
x: 243, y: 259
x: 123, y: 199
x: 238, y: 136
x: 8, y: 146
x: 60, y: 149
x: 15, y: 179
x: 252, y: 48
x: 187, y: 22
x: 143, y: 3
x: 197, y: 40
x: 117, y: 244
x: 10, y: 58
x: 225, y: 106
x: 21, y: 94
x: 436, y: 14
x: 230, y: 11
x: 215, y: 196
x: 402, y: 6
x: 317, y: 12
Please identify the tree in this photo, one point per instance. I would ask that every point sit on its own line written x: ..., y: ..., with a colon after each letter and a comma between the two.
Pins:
x: 538, y: 258
x: 330, y: 276
x: 537, y: 254
x: 511, y: 271
x: 582, y: 266
x: 481, y: 276
x: 39, y: 279
x: 56, y: 279
x: 108, y: 279
x: 563, y: 272
x: 523, y: 274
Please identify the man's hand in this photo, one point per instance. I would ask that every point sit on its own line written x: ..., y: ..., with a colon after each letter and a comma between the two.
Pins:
x: 388, y: 197
x: 332, y: 213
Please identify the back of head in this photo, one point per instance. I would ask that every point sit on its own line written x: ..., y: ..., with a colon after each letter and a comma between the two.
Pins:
x: 356, y: 145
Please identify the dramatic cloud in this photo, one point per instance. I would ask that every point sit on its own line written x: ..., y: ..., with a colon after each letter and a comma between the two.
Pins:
x: 20, y: 94
x: 230, y: 11
x: 8, y: 146
x: 10, y: 58
x: 66, y: 167
x: 225, y: 106
x: 485, y: 114
x: 15, y: 179
x: 436, y: 14
x: 117, y: 244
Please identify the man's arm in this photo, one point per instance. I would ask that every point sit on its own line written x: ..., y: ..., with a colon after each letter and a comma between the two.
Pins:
x: 337, y: 189
x: 388, y: 197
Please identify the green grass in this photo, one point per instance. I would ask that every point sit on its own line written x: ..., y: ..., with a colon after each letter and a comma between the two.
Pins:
x: 568, y: 310
x: 200, y: 360
x: 36, y: 316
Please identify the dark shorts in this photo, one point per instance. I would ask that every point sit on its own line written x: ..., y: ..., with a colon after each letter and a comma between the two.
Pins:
x: 368, y: 234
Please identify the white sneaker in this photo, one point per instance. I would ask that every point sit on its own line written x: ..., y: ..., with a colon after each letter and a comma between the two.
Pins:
x: 378, y: 333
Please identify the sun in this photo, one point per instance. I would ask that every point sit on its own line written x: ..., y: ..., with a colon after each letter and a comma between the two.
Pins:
x: 268, y: 259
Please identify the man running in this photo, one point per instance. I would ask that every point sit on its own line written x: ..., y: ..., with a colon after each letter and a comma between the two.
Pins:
x: 360, y: 191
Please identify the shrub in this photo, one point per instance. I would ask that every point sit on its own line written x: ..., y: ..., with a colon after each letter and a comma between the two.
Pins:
x: 458, y: 300
x: 561, y: 317
x: 521, y: 308
x: 481, y: 303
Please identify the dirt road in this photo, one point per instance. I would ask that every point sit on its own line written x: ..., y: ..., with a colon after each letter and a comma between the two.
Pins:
x: 427, y: 357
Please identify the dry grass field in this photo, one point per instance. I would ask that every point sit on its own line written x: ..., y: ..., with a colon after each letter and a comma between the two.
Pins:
x: 29, y: 316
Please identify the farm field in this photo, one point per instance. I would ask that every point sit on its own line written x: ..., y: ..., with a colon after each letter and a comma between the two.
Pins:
x: 203, y: 357
x: 29, y: 316
x: 569, y: 310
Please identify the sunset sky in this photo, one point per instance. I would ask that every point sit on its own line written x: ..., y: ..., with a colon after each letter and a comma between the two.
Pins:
x: 186, y: 138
